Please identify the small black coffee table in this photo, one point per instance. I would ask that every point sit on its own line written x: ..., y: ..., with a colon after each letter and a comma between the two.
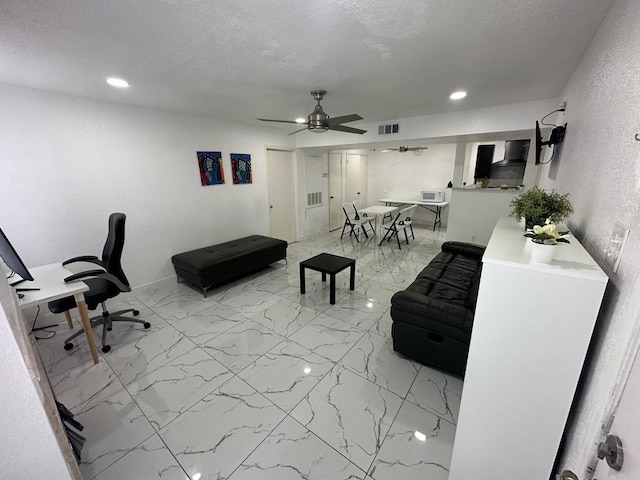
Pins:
x: 329, y: 264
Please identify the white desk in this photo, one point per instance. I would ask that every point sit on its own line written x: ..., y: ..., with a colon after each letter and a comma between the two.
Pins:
x: 433, y: 207
x: 50, y: 280
x: 378, y: 211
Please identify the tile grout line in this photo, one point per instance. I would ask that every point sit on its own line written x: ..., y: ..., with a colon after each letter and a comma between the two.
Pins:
x: 381, y: 269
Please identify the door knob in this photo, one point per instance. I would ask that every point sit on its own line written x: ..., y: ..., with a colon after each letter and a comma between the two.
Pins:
x: 332, y: 197
x: 611, y: 449
x: 270, y: 206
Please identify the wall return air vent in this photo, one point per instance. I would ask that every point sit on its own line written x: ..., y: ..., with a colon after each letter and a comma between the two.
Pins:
x: 388, y: 128
x: 314, y: 198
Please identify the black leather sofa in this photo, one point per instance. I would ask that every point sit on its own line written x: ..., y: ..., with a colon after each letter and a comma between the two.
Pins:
x: 433, y: 317
x: 216, y: 265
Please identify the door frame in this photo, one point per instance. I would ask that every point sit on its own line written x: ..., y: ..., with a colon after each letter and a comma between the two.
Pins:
x: 295, y: 187
x: 336, y: 196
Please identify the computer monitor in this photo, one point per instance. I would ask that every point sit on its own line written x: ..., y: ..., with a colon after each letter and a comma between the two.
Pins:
x: 13, y: 261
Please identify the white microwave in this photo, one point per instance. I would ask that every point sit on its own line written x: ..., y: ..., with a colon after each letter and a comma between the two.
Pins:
x: 432, y: 195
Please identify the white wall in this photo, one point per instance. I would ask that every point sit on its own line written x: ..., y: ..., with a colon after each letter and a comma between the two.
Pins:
x: 405, y: 175
x: 28, y: 447
x: 473, y: 213
x: 599, y: 164
x: 503, y: 118
x: 67, y: 162
x: 456, y: 126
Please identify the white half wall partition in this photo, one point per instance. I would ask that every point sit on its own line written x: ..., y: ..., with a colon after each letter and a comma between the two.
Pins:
x: 473, y: 213
x: 30, y: 448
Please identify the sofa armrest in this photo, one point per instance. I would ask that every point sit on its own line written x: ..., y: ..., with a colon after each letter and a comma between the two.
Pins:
x: 463, y: 248
x: 424, y: 306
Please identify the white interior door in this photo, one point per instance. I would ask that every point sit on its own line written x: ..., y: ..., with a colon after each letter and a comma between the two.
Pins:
x: 282, y: 220
x: 626, y: 425
x: 336, y: 219
x: 356, y: 181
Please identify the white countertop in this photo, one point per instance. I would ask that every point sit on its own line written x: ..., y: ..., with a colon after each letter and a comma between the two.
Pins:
x: 508, y: 246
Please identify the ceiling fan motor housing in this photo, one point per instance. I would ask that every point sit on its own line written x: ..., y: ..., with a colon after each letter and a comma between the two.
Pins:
x: 317, y: 120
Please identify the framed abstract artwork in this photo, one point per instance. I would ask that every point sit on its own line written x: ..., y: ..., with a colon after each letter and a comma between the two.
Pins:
x: 211, y: 170
x: 241, y: 168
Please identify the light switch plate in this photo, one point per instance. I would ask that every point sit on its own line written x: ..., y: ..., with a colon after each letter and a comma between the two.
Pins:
x: 616, y: 245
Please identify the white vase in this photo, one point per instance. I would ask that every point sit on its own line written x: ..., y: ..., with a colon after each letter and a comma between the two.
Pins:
x: 542, y: 253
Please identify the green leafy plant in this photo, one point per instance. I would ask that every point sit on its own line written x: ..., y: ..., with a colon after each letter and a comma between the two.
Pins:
x: 537, y: 205
x: 547, y: 234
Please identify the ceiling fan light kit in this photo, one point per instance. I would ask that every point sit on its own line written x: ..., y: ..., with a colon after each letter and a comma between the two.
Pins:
x: 319, y: 122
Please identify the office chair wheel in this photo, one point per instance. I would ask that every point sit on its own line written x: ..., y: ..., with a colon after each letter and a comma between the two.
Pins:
x: 136, y: 313
x: 147, y: 325
x: 68, y: 346
x: 106, y: 349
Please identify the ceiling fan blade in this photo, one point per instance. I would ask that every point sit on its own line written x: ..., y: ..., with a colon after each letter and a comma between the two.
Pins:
x: 343, y: 119
x: 344, y: 128
x: 413, y: 149
x: 279, y: 121
x: 305, y: 128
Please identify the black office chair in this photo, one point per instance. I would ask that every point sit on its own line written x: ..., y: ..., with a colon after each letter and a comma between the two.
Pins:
x: 103, y: 284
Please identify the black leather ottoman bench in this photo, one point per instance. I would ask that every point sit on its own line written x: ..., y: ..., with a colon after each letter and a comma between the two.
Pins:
x: 216, y: 265
x: 433, y: 317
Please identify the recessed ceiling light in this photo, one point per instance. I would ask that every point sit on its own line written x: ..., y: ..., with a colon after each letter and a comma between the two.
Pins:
x: 117, y: 82
x: 301, y: 120
x: 460, y: 94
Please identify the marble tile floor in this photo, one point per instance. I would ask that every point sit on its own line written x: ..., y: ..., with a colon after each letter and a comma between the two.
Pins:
x: 256, y: 381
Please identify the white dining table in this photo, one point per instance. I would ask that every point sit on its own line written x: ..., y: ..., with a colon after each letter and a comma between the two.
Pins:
x: 377, y: 211
x: 433, y: 207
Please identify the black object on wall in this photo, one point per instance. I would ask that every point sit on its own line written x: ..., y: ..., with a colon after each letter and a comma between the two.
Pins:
x: 516, y: 151
x: 556, y: 137
x: 484, y: 159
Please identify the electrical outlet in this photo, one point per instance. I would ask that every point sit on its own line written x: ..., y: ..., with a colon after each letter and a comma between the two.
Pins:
x: 617, y: 241
x: 562, y: 106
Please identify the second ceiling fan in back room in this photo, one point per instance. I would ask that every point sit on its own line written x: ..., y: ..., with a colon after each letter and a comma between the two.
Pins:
x: 318, y: 121
x: 402, y: 148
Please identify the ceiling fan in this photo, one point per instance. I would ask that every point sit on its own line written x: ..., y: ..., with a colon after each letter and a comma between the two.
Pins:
x: 402, y: 149
x: 318, y: 121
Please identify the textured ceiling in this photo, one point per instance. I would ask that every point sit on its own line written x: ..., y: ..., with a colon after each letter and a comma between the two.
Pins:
x: 242, y: 59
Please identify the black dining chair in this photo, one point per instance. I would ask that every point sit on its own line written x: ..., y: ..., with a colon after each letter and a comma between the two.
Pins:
x: 104, y: 283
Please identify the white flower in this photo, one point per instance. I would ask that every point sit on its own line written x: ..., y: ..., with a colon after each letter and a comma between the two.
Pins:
x: 547, y: 234
x: 550, y: 229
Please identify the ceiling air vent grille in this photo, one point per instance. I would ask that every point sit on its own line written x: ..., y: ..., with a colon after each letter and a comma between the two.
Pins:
x: 314, y: 198
x: 388, y: 128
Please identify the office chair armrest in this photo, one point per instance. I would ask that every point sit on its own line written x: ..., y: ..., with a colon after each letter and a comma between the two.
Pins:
x: 98, y: 274
x: 87, y: 259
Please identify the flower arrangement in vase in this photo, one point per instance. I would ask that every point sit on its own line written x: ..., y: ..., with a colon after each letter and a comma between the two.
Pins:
x: 544, y: 238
